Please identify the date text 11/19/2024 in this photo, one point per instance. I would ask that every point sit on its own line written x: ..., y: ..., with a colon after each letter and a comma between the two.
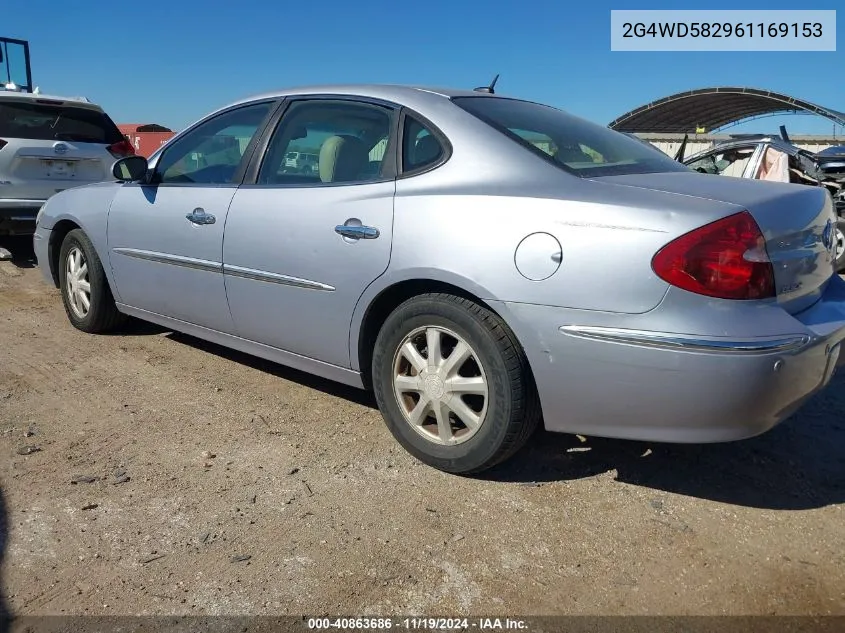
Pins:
x: 417, y: 624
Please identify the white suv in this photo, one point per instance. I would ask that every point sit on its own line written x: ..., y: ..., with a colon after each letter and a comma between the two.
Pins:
x: 48, y: 144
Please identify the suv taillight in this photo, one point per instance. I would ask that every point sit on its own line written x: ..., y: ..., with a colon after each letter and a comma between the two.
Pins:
x: 121, y: 149
x: 725, y: 259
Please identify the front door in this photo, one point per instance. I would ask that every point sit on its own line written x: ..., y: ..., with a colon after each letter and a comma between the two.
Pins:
x: 301, y: 245
x: 166, y: 238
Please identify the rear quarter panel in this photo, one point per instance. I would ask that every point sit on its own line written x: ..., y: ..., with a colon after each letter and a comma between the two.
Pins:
x: 607, y: 237
x: 464, y: 230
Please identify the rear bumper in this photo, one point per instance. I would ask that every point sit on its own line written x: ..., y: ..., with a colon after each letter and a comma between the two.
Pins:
x: 653, y: 386
x: 17, y: 216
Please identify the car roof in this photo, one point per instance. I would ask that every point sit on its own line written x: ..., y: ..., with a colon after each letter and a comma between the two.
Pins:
x: 397, y: 93
x: 82, y: 102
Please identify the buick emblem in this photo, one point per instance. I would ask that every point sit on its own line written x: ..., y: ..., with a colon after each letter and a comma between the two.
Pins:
x: 827, y: 235
x: 60, y: 148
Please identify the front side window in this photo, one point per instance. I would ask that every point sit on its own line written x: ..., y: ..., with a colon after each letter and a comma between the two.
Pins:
x: 420, y: 148
x: 578, y: 146
x: 212, y: 152
x: 327, y: 142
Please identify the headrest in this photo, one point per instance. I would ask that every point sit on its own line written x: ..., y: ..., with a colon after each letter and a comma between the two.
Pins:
x: 342, y: 159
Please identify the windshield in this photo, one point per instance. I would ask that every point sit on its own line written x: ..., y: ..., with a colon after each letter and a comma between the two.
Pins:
x: 43, y: 122
x: 580, y: 147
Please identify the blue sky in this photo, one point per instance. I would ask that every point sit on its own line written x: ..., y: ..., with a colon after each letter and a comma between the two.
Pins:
x: 171, y: 62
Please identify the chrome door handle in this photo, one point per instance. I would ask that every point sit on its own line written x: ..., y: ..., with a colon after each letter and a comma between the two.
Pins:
x: 357, y: 232
x: 199, y: 216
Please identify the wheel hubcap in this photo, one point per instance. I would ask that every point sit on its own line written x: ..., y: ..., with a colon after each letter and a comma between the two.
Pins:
x: 78, y: 286
x: 440, y: 385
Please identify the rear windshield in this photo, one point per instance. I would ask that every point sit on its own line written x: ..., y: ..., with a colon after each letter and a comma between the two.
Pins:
x: 578, y: 146
x: 43, y: 122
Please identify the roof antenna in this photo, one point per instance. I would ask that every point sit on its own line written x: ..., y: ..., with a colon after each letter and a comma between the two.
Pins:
x: 488, y: 89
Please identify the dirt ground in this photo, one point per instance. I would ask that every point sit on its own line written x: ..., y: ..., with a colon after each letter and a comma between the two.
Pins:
x: 210, y: 482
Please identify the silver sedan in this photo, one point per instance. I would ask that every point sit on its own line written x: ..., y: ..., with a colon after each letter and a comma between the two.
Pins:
x: 481, y: 263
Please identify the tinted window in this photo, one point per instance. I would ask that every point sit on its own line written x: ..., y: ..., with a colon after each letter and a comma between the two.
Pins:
x: 334, y: 141
x: 420, y: 148
x: 45, y: 122
x: 580, y: 147
x: 212, y: 152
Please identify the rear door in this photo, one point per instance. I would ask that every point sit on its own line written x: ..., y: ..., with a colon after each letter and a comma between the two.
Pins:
x: 49, y: 145
x: 301, y: 247
x: 166, y: 238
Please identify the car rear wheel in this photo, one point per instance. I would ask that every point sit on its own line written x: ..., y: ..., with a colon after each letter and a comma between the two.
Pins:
x: 86, y: 295
x: 453, y: 384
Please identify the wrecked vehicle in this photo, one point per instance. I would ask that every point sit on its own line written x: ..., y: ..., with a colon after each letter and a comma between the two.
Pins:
x: 777, y: 159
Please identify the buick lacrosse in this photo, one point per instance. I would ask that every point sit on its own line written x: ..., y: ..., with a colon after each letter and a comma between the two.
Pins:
x: 482, y: 263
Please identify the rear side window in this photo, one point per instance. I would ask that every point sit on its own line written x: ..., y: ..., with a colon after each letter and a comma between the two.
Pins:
x: 46, y: 122
x: 578, y: 146
x: 420, y: 148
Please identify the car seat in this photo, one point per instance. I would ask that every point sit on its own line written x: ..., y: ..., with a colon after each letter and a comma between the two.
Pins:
x: 343, y: 158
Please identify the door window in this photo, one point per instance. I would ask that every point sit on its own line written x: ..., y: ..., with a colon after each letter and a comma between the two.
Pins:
x: 327, y: 142
x: 212, y: 152
x: 730, y: 162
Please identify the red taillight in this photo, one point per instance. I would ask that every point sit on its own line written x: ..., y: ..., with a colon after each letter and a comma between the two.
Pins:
x: 725, y: 259
x: 3, y: 143
x: 121, y: 149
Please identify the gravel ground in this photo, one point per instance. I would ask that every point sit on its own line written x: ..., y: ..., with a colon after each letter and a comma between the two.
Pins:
x: 152, y: 473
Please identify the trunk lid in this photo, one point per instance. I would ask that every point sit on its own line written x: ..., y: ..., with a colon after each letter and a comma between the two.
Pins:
x: 798, y: 223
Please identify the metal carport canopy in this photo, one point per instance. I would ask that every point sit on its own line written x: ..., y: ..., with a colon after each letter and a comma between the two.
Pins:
x: 714, y: 108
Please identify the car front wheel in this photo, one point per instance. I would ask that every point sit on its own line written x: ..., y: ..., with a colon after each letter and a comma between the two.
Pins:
x: 86, y: 295
x: 453, y: 384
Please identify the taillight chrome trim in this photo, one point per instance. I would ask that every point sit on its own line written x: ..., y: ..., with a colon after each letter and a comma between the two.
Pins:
x: 680, y: 342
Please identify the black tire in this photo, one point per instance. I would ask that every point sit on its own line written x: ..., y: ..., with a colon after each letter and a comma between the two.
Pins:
x: 839, y: 264
x: 102, y: 315
x: 513, y: 409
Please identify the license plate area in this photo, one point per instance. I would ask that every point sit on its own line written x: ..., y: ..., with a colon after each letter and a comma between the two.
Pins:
x: 58, y: 168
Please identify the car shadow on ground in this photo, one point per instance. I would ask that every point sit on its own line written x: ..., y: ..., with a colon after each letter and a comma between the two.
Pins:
x: 5, y: 614
x: 23, y: 256
x: 800, y: 464
x: 328, y: 387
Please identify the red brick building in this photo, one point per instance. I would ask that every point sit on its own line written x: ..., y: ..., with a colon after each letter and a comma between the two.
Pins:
x: 146, y: 137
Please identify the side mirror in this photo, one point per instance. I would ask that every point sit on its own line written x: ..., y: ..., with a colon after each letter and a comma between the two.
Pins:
x: 130, y: 168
